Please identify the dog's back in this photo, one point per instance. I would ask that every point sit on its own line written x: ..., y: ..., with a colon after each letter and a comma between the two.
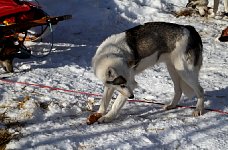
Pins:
x: 162, y: 37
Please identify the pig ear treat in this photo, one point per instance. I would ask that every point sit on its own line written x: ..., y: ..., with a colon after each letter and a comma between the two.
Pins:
x: 93, y: 118
x: 224, y: 36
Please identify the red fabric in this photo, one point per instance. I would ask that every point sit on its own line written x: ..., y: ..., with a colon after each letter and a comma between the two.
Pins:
x: 225, y: 32
x: 8, y: 7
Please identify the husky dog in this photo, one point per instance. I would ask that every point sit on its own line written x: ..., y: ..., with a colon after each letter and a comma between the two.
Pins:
x: 10, y: 50
x: 121, y: 56
x: 200, y: 5
x: 6, y: 58
x: 7, y: 65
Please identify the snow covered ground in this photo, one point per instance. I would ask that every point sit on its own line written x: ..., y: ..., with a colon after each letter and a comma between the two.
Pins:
x: 44, y: 118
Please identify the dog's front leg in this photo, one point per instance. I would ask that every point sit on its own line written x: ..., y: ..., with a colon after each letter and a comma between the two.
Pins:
x: 105, y: 100
x: 112, y: 114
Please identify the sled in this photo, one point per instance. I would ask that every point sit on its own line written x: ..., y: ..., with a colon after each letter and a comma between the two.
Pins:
x: 17, y: 19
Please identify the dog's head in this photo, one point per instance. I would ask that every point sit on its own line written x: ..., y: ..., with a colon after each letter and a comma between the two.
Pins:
x: 224, y: 36
x: 119, y: 82
x: 200, y: 6
x: 8, y: 50
x: 115, y: 73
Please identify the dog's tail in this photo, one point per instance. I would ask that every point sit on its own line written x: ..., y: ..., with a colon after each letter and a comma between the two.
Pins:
x: 186, y: 89
x: 195, y: 46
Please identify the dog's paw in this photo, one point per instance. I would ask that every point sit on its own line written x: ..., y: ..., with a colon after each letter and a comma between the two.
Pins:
x: 105, y: 119
x: 197, y: 112
x: 168, y: 107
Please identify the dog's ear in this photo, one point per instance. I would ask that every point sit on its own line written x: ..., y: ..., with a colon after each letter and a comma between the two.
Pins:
x: 131, y: 63
x: 111, y: 73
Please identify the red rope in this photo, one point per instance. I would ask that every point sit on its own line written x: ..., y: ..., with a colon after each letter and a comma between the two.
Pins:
x: 97, y: 95
x: 48, y: 87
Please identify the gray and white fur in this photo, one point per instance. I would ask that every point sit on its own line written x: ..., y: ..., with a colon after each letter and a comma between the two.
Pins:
x: 200, y: 5
x: 122, y: 56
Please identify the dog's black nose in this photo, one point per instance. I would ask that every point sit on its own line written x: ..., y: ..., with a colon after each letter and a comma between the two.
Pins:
x: 131, y: 97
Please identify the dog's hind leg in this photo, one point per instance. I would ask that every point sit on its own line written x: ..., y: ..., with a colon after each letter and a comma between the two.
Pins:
x: 7, y: 65
x: 105, y: 99
x: 177, y: 88
x: 190, y: 77
x: 117, y: 105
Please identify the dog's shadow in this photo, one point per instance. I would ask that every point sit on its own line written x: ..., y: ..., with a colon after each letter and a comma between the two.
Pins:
x: 216, y: 100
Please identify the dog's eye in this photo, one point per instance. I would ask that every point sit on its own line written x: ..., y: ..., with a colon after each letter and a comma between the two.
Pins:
x: 122, y: 86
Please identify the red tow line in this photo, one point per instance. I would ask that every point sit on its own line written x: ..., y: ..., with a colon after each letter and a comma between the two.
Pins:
x: 98, y: 95
x: 48, y: 87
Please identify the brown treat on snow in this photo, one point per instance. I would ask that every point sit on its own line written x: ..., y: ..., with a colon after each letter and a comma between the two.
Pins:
x: 224, y: 36
x: 93, y: 118
x: 21, y: 104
